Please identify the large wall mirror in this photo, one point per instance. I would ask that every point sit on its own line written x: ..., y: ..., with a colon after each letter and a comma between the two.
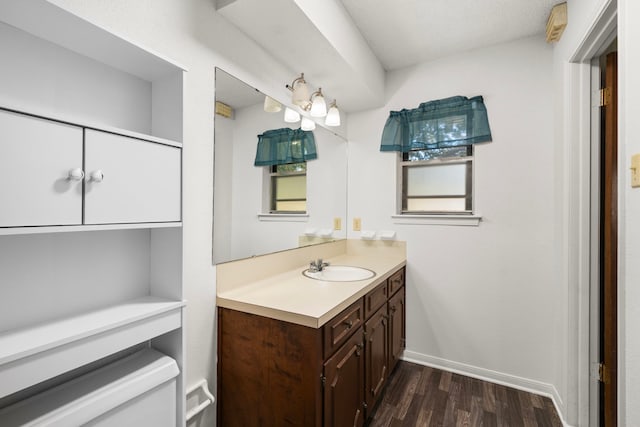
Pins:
x: 246, y: 222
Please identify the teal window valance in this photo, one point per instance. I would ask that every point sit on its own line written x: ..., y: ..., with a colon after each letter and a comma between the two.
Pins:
x: 285, y: 146
x: 448, y: 122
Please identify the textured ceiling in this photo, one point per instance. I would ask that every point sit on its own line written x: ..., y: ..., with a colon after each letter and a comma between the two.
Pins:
x: 406, y: 32
x: 345, y: 46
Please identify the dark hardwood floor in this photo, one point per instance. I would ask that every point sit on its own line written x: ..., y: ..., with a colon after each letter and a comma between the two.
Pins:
x: 421, y: 396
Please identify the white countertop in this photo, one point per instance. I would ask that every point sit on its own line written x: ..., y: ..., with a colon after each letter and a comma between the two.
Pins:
x: 292, y: 297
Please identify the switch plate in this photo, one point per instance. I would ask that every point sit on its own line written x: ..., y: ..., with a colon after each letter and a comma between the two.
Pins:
x: 357, y: 224
x: 635, y: 170
x: 337, y: 223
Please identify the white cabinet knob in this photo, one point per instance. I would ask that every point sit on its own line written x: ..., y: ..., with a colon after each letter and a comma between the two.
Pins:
x: 96, y: 176
x: 75, y: 174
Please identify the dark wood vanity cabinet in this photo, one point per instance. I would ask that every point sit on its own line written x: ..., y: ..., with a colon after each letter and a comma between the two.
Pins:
x: 275, y: 373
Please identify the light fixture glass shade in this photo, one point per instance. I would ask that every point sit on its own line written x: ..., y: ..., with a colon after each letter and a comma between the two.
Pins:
x: 271, y: 105
x: 318, y: 106
x: 307, y: 124
x: 291, y: 116
x: 333, y: 116
x: 300, y: 94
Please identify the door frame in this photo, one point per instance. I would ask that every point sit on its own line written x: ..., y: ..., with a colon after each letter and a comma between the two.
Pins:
x: 584, y: 158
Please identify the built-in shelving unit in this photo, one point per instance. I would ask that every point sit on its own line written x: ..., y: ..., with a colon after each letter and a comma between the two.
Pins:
x: 91, y: 262
x: 31, y: 355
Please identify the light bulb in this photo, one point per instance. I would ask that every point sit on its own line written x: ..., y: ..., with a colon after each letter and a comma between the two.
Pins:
x: 318, y: 106
x: 271, y: 105
x: 333, y: 116
x: 300, y: 94
x: 291, y: 116
x: 307, y: 124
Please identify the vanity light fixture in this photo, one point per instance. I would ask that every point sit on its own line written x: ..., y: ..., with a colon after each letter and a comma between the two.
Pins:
x: 271, y: 105
x: 314, y: 104
x: 291, y: 115
x: 318, y: 105
x: 307, y: 124
x: 300, y: 92
x: 333, y: 116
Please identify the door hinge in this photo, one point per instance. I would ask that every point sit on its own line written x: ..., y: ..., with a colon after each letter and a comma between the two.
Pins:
x: 605, y: 96
x: 323, y: 380
x: 603, y: 373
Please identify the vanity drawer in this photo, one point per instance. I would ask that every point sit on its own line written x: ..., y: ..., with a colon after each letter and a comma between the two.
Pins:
x: 375, y: 299
x: 396, y: 281
x: 340, y: 328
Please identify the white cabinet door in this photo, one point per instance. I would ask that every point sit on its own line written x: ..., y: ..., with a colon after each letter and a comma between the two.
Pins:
x: 36, y: 156
x: 140, y: 180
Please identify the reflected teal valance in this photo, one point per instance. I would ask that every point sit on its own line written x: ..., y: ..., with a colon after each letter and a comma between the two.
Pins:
x: 285, y: 146
x: 449, y: 122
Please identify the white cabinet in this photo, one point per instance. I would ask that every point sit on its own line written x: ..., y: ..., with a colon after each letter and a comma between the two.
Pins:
x: 118, y: 179
x: 36, y: 156
x: 130, y: 180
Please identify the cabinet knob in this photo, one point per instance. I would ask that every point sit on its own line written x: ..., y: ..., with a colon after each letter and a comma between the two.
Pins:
x: 75, y: 174
x: 96, y: 176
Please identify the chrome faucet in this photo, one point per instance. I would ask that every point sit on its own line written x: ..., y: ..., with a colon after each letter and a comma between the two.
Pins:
x: 317, y: 265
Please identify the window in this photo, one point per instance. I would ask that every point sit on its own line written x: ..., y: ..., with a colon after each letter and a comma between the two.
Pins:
x: 289, y: 188
x: 437, y: 181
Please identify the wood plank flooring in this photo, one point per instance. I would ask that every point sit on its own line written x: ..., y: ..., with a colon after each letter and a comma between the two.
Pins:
x: 422, y: 396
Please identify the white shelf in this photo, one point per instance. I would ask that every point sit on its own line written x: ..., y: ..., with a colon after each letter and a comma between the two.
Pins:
x: 31, y: 355
x: 8, y: 231
x: 57, y: 117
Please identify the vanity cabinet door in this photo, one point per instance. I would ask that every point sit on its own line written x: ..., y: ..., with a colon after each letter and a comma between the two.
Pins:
x: 397, y: 327
x: 36, y: 156
x: 130, y: 180
x: 344, y: 384
x: 377, y: 354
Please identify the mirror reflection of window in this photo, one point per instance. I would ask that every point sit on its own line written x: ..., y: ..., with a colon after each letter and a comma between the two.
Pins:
x: 289, y: 188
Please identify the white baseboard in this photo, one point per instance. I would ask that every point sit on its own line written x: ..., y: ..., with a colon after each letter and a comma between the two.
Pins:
x: 520, y: 383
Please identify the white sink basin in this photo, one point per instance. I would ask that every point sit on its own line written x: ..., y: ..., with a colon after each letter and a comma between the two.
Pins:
x: 340, y: 273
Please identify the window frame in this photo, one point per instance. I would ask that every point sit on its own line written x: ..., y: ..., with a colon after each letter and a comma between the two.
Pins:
x: 405, y: 164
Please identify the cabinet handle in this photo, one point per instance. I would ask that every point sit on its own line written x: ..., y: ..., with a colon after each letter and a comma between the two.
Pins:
x: 349, y: 323
x: 393, y: 308
x: 75, y: 174
x: 96, y: 176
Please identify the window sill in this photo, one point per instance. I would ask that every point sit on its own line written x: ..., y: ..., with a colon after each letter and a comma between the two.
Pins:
x: 281, y: 217
x: 461, y: 220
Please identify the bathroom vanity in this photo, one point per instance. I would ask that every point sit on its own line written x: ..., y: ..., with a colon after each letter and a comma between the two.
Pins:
x: 297, y: 351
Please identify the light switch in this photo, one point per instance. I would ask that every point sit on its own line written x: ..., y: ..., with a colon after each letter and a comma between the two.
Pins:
x: 337, y: 223
x: 357, y: 224
x: 635, y: 170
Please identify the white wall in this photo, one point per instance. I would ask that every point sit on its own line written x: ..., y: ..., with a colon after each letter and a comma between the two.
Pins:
x: 480, y: 299
x: 629, y: 298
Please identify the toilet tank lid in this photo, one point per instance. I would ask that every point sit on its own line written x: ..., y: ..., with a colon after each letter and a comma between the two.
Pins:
x: 84, y: 398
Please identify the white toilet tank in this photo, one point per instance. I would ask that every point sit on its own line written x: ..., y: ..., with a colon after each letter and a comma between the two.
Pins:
x: 138, y: 390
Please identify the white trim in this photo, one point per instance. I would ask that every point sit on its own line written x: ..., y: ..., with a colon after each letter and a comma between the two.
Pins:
x: 281, y: 217
x: 462, y: 220
x: 579, y: 133
x: 513, y: 381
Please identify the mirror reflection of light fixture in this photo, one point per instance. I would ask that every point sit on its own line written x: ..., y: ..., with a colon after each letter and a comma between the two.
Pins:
x: 271, y: 105
x: 333, y: 116
x: 307, y: 124
x: 291, y: 116
x: 300, y: 92
x: 318, y: 105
